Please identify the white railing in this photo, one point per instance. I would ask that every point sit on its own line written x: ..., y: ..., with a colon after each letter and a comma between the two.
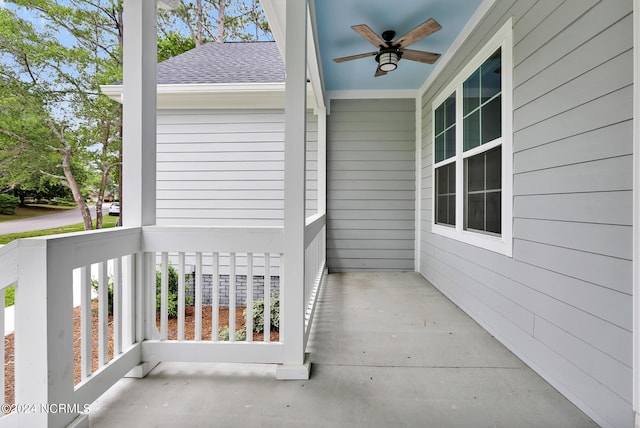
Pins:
x: 252, y: 249
x: 315, y: 263
x: 117, y: 324
x: 53, y: 363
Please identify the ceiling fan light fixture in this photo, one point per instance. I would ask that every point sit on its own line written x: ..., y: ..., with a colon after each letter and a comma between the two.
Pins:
x: 388, y: 61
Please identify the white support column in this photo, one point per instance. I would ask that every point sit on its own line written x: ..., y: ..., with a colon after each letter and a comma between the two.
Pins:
x: 139, y: 141
x: 322, y: 160
x: 636, y: 211
x: 292, y: 300
x: 139, y: 113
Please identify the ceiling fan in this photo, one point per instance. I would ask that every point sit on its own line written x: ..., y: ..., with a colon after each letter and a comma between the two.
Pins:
x: 391, y: 51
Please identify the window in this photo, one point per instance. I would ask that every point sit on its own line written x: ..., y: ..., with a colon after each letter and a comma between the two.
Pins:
x: 472, y: 168
x: 446, y: 194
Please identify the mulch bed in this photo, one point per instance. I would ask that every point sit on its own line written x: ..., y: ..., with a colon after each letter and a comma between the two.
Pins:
x: 189, y: 334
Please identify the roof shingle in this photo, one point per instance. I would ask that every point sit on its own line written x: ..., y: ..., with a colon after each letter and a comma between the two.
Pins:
x: 236, y: 62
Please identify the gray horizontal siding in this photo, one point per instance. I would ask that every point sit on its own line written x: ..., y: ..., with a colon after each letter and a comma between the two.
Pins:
x: 371, y: 185
x: 563, y: 301
x: 226, y: 167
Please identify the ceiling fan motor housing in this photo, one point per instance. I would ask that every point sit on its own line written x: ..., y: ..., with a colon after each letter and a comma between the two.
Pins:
x: 388, y: 35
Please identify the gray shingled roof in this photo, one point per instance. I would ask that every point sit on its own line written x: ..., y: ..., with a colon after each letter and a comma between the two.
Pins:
x: 251, y: 62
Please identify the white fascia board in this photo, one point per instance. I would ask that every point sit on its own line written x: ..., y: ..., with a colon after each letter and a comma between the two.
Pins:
x: 314, y: 66
x: 112, y: 91
x: 276, y: 13
x: 217, y: 96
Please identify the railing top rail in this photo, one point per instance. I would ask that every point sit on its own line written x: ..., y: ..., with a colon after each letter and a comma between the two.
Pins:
x: 8, y: 264
x: 8, y: 248
x: 314, y: 225
x: 212, y: 239
x: 318, y: 217
x: 84, y: 248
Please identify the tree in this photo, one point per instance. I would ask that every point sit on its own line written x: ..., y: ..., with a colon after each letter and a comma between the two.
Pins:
x: 56, y: 127
x: 60, y: 80
x: 216, y: 20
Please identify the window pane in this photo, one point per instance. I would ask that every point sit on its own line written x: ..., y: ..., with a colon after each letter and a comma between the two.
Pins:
x: 493, y: 212
x: 483, y: 182
x: 452, y: 210
x: 442, y: 207
x: 471, y: 93
x: 442, y: 180
x: 450, y: 149
x: 475, y: 173
x: 475, y: 211
x: 491, y: 71
x: 450, y: 111
x: 439, y: 118
x: 492, y: 120
x: 494, y: 169
x: 483, y: 103
x: 439, y: 148
x: 472, y: 131
x: 452, y: 178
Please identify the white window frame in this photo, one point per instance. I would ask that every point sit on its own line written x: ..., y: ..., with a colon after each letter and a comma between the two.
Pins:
x: 503, y: 244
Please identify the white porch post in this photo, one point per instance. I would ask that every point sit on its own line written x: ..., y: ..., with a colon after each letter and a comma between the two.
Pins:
x: 292, y: 300
x: 322, y: 160
x: 636, y: 211
x: 139, y: 113
x: 139, y: 147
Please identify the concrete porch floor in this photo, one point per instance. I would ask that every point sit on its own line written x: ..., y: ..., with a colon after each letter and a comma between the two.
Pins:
x: 387, y: 349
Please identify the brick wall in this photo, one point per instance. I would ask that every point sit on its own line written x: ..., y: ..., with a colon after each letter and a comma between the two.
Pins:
x: 223, y: 290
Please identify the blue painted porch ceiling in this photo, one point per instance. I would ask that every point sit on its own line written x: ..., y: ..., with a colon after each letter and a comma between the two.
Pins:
x: 337, y: 39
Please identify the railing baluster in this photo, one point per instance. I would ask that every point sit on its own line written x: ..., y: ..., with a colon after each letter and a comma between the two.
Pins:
x: 164, y: 296
x: 129, y: 306
x: 198, y: 295
x: 232, y: 297
x: 117, y: 306
x: 103, y: 314
x: 85, y: 322
x: 267, y: 297
x: 181, y: 291
x: 249, y: 300
x: 215, y: 298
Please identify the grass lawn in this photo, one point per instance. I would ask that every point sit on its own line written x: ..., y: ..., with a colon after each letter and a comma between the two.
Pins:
x: 33, y: 211
x: 107, y: 222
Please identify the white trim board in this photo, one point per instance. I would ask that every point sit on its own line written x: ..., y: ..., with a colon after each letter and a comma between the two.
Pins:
x: 216, y: 96
x: 636, y: 211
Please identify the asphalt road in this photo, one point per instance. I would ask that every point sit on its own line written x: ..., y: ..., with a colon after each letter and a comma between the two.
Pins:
x: 49, y: 221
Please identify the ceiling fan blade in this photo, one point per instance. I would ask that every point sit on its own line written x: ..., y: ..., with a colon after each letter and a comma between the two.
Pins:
x: 352, y: 57
x: 420, y: 56
x: 368, y: 34
x: 429, y: 26
x: 379, y: 72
